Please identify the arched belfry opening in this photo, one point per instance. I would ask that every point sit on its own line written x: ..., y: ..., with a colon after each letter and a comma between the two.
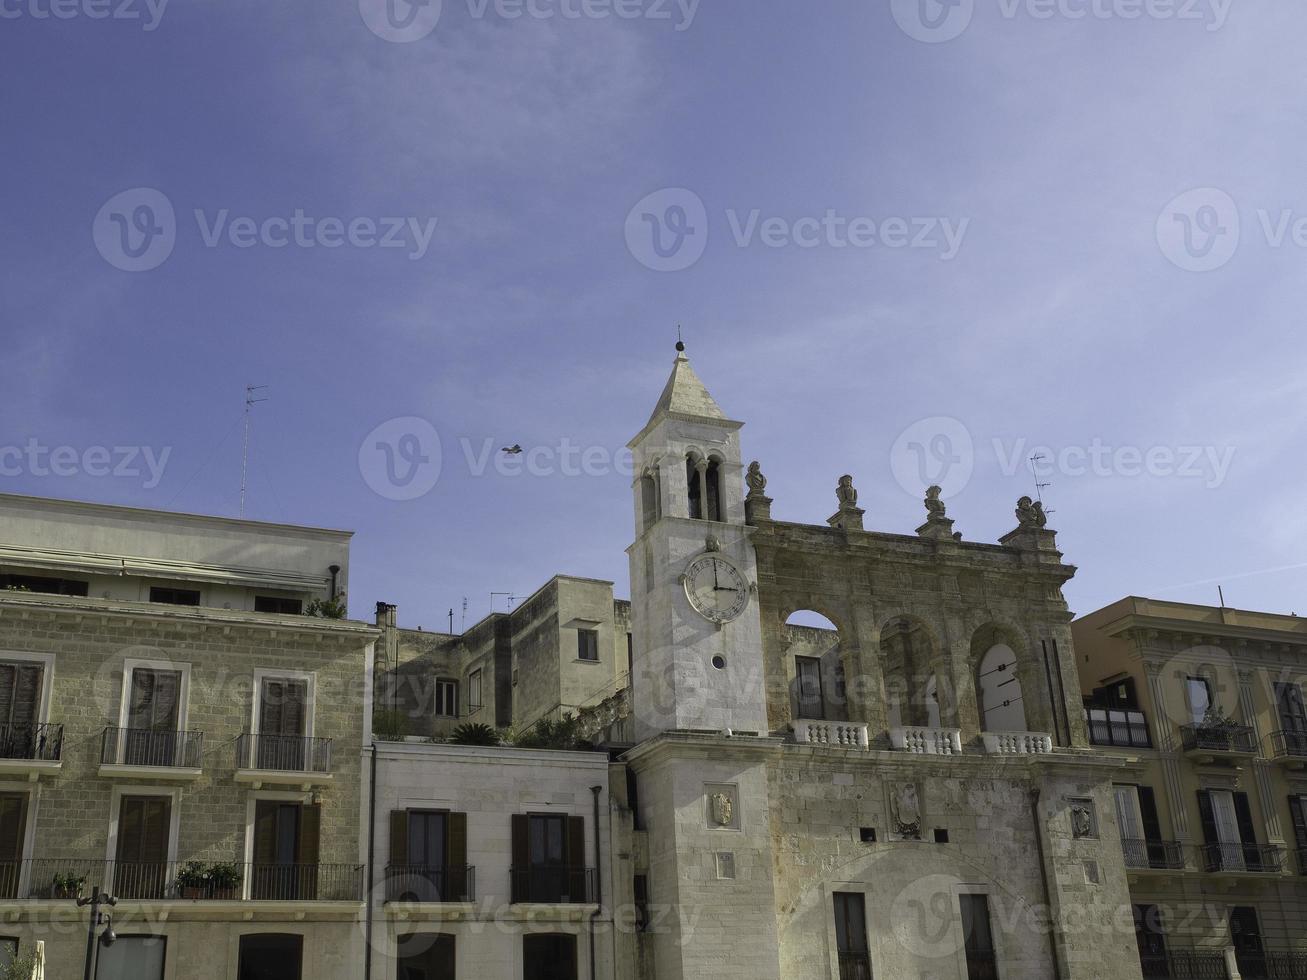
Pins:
x: 651, y: 509
x: 703, y: 484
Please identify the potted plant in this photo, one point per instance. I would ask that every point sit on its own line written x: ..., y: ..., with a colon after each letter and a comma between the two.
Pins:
x: 68, y: 884
x: 192, y: 880
x: 224, y: 878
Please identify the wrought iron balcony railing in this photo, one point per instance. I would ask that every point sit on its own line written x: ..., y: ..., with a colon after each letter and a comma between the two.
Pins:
x: 1157, y: 855
x: 1218, y: 738
x: 56, y: 879
x: 425, y: 883
x: 1184, y: 965
x: 553, y: 885
x: 38, y: 743
x: 1128, y: 729
x: 1264, y: 858
x: 142, y: 747
x: 283, y: 753
x: 1289, y: 745
x: 1268, y: 964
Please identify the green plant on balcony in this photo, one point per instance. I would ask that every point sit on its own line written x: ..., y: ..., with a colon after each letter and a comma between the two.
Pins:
x: 321, y: 608
x: 68, y: 884
x: 553, y: 733
x: 22, y: 968
x: 224, y: 878
x: 474, y: 733
x: 192, y: 881
x: 1214, y: 720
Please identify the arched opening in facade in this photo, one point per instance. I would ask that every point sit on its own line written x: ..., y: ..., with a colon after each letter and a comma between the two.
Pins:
x: 703, y: 484
x: 815, y: 668
x: 650, y: 505
x: 999, y: 696
x: 910, y: 659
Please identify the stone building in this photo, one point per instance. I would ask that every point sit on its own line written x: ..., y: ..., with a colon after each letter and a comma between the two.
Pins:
x: 1213, y: 809
x: 178, y: 732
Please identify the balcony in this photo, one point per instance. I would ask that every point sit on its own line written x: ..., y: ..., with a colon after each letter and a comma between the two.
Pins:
x: 1241, y: 858
x: 283, y: 760
x: 31, y: 750
x: 424, y: 883
x: 1123, y: 729
x: 1184, y: 965
x: 1289, y: 748
x: 553, y: 885
x: 1218, y: 743
x: 135, y: 752
x: 1302, y: 861
x: 61, y: 879
x: 1017, y: 743
x: 844, y: 734
x: 1272, y: 964
x: 1152, y: 855
x: 927, y: 741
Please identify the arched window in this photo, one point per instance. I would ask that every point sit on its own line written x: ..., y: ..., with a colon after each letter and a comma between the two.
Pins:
x: 649, y: 504
x: 714, y: 510
x: 1001, y: 706
x: 695, y: 486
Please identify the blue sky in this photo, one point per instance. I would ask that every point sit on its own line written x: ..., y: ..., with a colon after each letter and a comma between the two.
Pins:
x: 1072, y: 232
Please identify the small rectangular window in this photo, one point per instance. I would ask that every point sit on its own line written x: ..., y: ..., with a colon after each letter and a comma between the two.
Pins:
x: 630, y: 654
x: 474, y: 690
x: 941, y: 835
x: 982, y: 963
x: 867, y: 835
x: 851, y: 936
x: 587, y: 644
x: 1200, y: 699
x: 278, y: 604
x: 46, y: 585
x: 447, y: 698
x: 174, y: 597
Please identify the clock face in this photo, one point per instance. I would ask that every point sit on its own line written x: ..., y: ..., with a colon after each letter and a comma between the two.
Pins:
x: 716, y: 589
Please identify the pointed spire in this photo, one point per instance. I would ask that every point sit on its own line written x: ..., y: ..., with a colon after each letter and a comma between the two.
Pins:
x: 685, y: 394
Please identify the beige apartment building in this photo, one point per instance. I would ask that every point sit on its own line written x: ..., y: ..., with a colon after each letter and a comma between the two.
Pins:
x: 178, y: 731
x: 1208, y: 701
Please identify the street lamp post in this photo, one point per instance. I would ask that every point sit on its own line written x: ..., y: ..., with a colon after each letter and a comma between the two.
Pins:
x: 98, y: 919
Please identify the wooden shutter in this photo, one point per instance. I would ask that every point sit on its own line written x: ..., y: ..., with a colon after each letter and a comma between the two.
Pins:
x: 294, y: 716
x: 1298, y: 811
x: 456, y: 840
x: 143, y: 829
x: 265, y: 831
x: 399, y: 837
x: 1244, y: 815
x: 13, y: 825
x: 20, y: 694
x: 1207, y: 817
x: 271, y: 700
x: 310, y: 831
x: 155, y: 699
x: 521, y: 856
x: 1148, y: 813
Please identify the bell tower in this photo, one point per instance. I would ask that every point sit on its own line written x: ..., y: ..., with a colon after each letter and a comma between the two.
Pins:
x: 694, y: 609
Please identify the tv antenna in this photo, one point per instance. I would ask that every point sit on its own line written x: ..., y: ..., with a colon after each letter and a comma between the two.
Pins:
x: 511, y: 599
x: 462, y: 623
x: 250, y: 401
x: 1039, y: 487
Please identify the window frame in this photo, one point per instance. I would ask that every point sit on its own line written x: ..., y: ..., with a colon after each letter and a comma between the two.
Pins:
x: 174, y: 794
x: 131, y: 665
x: 163, y: 965
x: 46, y: 660
x: 587, y: 638
x: 262, y: 674
x: 176, y: 590
x: 475, y: 692
x: 238, y: 942
x: 443, y: 685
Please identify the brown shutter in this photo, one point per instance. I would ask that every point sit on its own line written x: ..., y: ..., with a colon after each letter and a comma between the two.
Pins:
x: 293, y: 716
x: 456, y: 840
x: 265, y: 831
x: 576, y: 842
x: 399, y: 837
x: 521, y: 856
x: 271, y: 699
x: 167, y: 691
x: 310, y: 830
x: 13, y: 825
x: 143, y: 825
x: 27, y: 695
x: 130, y: 819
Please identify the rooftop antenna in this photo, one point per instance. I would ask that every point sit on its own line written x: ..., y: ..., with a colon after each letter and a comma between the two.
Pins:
x: 1039, y: 487
x: 511, y: 599
x: 1222, y: 595
x: 462, y: 623
x: 250, y: 400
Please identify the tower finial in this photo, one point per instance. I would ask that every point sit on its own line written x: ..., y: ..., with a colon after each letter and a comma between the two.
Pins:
x: 680, y: 344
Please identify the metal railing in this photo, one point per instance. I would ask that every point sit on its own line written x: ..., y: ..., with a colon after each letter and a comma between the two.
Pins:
x: 57, y: 879
x: 1160, y: 855
x: 425, y: 883
x: 1272, y: 964
x: 553, y: 885
x: 855, y: 966
x: 1128, y: 729
x: 1288, y: 745
x: 142, y: 747
x: 1218, y: 738
x: 39, y: 743
x: 1184, y: 965
x: 283, y: 753
x: 1302, y: 861
x: 1265, y: 858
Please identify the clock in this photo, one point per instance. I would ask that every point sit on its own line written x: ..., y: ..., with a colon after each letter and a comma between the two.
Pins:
x: 717, y: 590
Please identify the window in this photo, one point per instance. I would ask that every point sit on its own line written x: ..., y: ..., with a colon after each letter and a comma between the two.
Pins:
x: 549, y: 957
x: 1246, y: 934
x: 474, y: 691
x: 447, y: 698
x: 286, y: 835
x: 21, y: 687
x: 425, y: 957
x: 1141, y: 831
x: 649, y: 503
x: 587, y: 645
x: 851, y: 936
x: 175, y: 597
x: 278, y: 604
x: 982, y: 963
x: 640, y: 888
x: 13, y: 833
x: 132, y: 958
x: 141, y: 857
x: 549, y: 859
x: 1292, y: 737
x: 283, y: 724
x: 271, y: 957
x: 1298, y: 813
x: 1151, y: 941
x: 807, y: 679
x: 1001, y: 707
x: 49, y: 586
x: 428, y: 857
x: 1199, y: 693
x: 630, y: 654
x: 1229, y: 832
x: 153, y: 713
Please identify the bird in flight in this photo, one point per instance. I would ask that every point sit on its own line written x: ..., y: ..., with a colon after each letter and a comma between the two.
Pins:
x: 512, y: 450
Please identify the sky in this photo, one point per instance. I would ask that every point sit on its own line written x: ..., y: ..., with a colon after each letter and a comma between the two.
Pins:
x: 909, y: 241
